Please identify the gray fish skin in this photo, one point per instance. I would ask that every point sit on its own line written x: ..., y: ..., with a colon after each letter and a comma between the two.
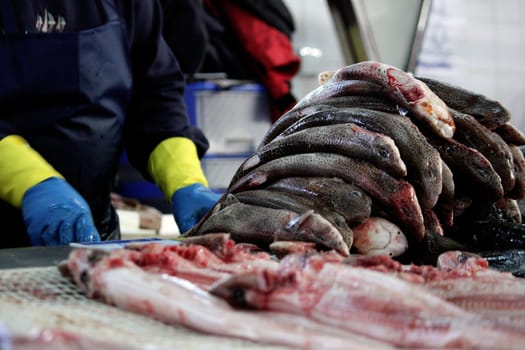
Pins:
x: 341, y: 88
x: 346, y: 139
x: 507, y: 209
x: 280, y: 200
x: 289, y: 118
x: 445, y: 206
x: 396, y: 195
x: 518, y: 192
x: 511, y: 134
x: 472, y: 170
x: 225, y: 200
x: 489, y: 113
x: 423, y: 162
x: 376, y: 103
x: 474, y: 134
x: 432, y: 222
x: 330, y: 192
x: 361, y: 101
x: 411, y: 93
x: 260, y: 225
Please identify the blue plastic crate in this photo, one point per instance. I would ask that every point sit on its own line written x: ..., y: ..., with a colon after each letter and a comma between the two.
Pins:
x: 234, y: 116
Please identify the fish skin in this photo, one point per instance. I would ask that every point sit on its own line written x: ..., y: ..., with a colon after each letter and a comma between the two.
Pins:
x: 225, y: 200
x: 408, y: 91
x: 289, y: 118
x: 331, y: 192
x: 518, y: 192
x: 377, y: 103
x: 340, y: 88
x: 474, y: 134
x: 511, y: 134
x: 507, y: 209
x: 260, y: 225
x: 299, y: 204
x: 346, y: 139
x: 396, y: 195
x: 361, y: 101
x: 488, y: 112
x: 445, y: 205
x: 471, y: 169
x: 423, y: 162
x: 379, y: 236
x: 432, y: 222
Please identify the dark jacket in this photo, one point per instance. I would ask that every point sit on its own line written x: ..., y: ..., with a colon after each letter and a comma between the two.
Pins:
x: 154, y: 111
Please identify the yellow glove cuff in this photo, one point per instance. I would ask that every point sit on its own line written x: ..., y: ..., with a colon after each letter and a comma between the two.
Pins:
x: 21, y: 168
x: 175, y: 164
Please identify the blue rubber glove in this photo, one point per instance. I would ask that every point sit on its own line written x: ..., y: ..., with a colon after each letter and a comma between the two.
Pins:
x: 191, y: 203
x: 56, y: 214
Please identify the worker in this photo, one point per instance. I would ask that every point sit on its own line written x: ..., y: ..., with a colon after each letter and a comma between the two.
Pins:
x: 81, y: 81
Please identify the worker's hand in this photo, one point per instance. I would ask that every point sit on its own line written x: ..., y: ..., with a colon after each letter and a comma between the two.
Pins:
x: 56, y: 214
x: 191, y: 203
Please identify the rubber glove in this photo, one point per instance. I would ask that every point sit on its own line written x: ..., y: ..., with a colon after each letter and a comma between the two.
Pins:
x: 56, y: 214
x: 191, y: 203
x: 23, y: 175
x: 175, y: 167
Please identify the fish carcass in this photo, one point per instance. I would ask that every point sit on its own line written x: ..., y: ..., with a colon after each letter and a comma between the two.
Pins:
x: 398, y: 307
x: 308, y: 300
x: 151, y: 280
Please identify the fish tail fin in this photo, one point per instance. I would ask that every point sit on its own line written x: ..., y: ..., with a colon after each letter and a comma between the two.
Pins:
x: 294, y: 224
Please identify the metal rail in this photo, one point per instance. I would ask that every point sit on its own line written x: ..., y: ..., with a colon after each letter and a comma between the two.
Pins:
x: 356, y: 35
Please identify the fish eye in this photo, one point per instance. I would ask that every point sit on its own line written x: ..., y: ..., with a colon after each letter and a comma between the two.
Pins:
x: 355, y: 194
x: 383, y: 152
x: 238, y: 295
x: 292, y: 223
x: 84, y: 277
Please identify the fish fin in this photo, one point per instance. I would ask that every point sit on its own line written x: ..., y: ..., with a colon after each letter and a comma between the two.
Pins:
x: 325, y: 76
x: 227, y: 200
x: 251, y: 162
x: 295, y: 223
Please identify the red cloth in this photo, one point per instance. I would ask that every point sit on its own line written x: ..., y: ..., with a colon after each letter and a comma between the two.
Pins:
x: 271, y: 52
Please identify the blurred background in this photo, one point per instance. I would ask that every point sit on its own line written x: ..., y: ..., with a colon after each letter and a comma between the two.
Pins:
x: 476, y: 44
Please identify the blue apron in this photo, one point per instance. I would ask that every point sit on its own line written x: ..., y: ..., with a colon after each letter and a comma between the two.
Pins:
x: 67, y: 95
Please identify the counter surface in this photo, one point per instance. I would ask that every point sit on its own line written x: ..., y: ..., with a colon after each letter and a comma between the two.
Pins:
x: 32, y: 256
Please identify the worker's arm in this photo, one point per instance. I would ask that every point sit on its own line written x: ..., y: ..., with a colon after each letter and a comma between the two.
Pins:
x: 53, y: 211
x: 175, y: 167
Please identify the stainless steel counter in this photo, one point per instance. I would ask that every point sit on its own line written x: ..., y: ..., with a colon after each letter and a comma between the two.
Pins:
x: 32, y: 256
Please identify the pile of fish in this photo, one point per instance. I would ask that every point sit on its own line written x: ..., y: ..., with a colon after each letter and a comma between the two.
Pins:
x: 377, y: 161
x: 309, y: 299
